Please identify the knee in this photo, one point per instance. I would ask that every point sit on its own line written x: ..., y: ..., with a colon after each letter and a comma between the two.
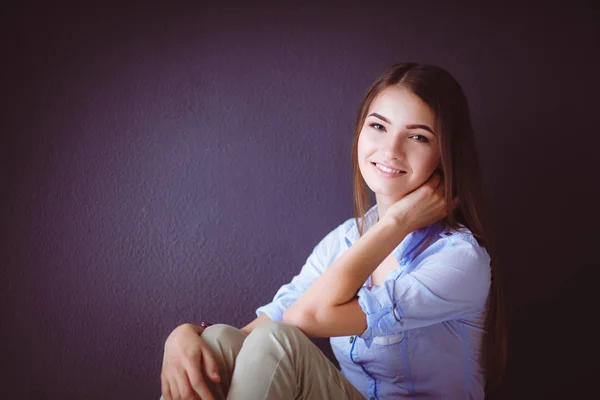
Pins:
x: 223, y: 332
x: 277, y: 329
x: 277, y: 339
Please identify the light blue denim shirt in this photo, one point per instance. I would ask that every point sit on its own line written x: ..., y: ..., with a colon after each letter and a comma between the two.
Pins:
x: 424, y: 323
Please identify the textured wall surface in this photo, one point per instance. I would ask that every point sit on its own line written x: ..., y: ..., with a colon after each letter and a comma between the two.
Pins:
x: 167, y: 165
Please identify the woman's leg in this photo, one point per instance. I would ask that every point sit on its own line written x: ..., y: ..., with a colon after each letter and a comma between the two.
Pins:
x: 277, y: 361
x: 225, y: 342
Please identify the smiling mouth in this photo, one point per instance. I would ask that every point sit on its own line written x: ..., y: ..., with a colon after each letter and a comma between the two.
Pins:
x: 383, y: 168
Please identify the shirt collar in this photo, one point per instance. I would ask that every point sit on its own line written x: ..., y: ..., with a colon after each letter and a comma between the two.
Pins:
x: 406, y: 248
x: 371, y: 218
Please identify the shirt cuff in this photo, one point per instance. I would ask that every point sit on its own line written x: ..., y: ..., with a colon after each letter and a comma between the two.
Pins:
x: 379, y: 309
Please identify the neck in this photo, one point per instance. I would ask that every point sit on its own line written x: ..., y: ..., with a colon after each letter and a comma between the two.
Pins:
x: 383, y: 204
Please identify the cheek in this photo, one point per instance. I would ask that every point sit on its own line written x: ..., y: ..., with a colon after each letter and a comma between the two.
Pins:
x: 363, y: 152
x: 426, y: 162
x: 362, y: 148
x: 433, y: 161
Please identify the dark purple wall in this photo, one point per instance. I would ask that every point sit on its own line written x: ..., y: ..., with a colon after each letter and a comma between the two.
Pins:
x: 175, y: 164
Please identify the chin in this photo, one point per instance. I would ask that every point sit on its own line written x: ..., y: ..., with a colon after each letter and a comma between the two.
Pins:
x: 391, y: 197
x: 388, y: 190
x: 388, y: 193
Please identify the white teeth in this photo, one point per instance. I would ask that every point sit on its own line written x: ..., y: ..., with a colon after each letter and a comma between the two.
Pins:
x: 386, y: 169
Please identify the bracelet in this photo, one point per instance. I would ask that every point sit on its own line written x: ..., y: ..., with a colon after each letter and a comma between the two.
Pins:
x: 205, y: 324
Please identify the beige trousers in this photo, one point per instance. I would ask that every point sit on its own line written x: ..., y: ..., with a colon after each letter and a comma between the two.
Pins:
x: 276, y: 361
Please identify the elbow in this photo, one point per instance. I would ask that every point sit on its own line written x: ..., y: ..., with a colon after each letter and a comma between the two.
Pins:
x: 293, y: 315
x: 303, y: 319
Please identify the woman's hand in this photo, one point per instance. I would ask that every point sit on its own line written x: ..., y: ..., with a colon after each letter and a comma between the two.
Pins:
x: 421, y: 207
x: 186, y: 355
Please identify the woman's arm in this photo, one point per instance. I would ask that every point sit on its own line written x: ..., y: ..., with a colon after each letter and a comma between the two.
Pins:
x: 331, y: 298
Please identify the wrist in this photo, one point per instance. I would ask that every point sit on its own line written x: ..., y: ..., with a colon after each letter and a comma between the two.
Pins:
x: 396, y: 223
x: 390, y: 232
x: 198, y: 329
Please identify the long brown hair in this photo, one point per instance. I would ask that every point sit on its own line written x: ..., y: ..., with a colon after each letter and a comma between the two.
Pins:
x: 436, y: 87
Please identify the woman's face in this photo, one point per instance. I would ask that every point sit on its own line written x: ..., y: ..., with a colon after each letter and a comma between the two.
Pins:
x: 398, y: 149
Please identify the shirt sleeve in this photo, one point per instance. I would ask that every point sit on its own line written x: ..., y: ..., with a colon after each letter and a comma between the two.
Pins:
x: 319, y: 259
x: 450, y: 279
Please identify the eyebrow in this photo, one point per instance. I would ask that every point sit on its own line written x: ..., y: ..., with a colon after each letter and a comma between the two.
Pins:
x: 411, y: 126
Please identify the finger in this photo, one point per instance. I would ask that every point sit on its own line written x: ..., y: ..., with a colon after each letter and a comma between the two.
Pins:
x: 173, y: 389
x: 197, y: 379
x: 164, y: 387
x: 198, y: 384
x: 210, y: 366
x: 183, y: 385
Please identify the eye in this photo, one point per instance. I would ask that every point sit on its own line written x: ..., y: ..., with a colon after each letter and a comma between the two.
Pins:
x: 420, y: 138
x: 377, y: 127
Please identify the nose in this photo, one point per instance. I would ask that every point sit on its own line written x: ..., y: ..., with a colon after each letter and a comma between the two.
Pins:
x: 392, y: 147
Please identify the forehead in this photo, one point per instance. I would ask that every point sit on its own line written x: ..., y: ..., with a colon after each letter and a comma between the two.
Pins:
x: 398, y: 103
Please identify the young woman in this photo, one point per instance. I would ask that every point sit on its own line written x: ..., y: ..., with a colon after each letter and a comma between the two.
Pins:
x: 405, y: 290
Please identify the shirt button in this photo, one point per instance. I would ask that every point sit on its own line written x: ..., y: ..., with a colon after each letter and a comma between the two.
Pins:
x: 351, y: 339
